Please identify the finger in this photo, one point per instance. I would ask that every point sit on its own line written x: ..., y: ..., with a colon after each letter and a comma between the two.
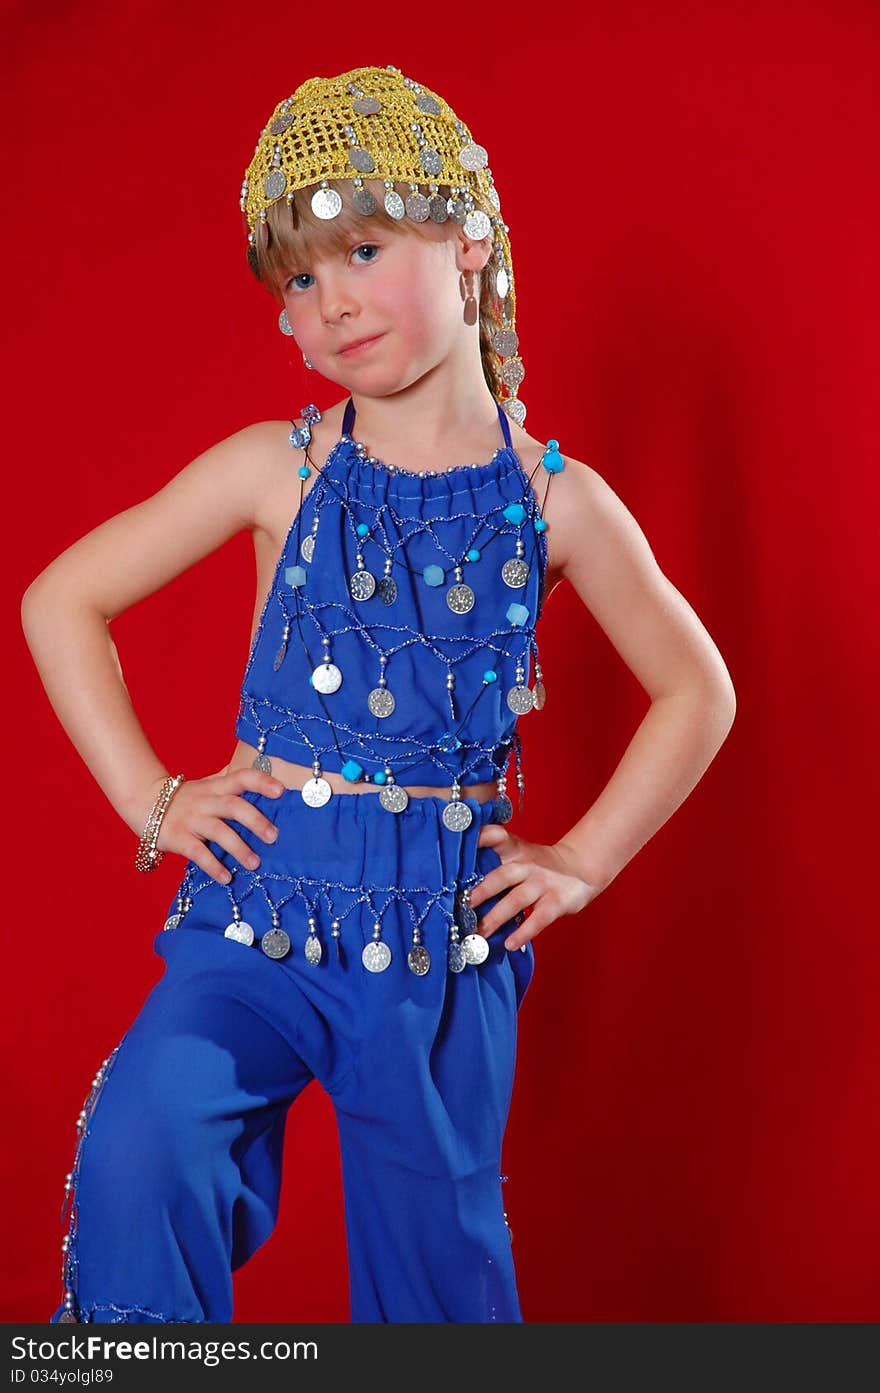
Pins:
x: 496, y: 881
x: 240, y: 810
x: 524, y: 934
x: 202, y: 856
x: 492, y: 834
x: 507, y: 908
x: 256, y: 780
x: 214, y: 829
x: 537, y: 919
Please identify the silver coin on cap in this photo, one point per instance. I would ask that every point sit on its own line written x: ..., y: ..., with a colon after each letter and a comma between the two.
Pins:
x: 364, y: 202
x: 326, y: 203
x: 275, y: 183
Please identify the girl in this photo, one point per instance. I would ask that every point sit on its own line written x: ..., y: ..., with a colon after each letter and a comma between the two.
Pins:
x: 325, y: 925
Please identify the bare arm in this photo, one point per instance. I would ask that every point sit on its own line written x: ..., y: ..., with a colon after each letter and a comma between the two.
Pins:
x: 607, y: 559
x: 66, y: 611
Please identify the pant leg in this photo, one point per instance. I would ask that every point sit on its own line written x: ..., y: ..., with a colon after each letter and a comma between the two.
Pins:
x: 178, y: 1167
x: 421, y: 1125
x: 421, y: 1121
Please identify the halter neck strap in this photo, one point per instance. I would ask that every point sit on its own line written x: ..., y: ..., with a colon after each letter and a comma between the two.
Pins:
x: 348, y: 421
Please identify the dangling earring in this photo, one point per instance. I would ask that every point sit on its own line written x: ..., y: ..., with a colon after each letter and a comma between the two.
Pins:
x: 284, y: 326
x: 471, y: 309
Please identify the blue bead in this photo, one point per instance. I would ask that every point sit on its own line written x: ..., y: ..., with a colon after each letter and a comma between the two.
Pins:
x: 352, y: 771
x: 434, y: 575
x: 517, y: 613
x: 380, y: 777
x: 551, y: 458
x: 362, y: 529
x: 515, y: 512
x: 490, y: 675
x: 449, y: 742
x: 300, y: 437
x: 473, y: 554
x: 295, y: 575
x: 304, y: 471
x: 540, y: 525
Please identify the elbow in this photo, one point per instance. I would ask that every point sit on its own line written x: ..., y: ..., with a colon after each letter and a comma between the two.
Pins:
x: 722, y: 700
x: 31, y: 603
x: 711, y: 697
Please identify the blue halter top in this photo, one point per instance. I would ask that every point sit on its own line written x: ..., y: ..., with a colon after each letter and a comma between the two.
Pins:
x: 395, y: 644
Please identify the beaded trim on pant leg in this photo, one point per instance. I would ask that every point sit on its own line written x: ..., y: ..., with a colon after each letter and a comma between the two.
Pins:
x: 69, y: 1273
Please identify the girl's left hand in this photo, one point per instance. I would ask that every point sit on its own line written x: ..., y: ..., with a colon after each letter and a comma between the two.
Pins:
x: 544, y: 876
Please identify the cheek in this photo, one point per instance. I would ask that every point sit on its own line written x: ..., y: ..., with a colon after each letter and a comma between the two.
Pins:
x: 424, y: 312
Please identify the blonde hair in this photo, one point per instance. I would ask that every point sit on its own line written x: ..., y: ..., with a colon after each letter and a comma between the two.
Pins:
x: 291, y: 231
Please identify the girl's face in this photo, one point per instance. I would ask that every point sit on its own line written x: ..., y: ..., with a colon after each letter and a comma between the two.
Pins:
x: 400, y: 290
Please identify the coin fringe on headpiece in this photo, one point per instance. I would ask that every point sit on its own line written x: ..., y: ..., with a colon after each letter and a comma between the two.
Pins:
x: 375, y: 122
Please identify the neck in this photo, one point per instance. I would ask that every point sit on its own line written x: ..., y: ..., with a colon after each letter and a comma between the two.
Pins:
x: 426, y: 425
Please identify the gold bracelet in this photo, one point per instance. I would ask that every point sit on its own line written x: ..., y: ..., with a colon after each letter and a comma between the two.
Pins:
x: 148, y: 857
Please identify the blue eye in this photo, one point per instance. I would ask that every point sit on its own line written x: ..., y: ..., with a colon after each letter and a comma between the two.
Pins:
x: 364, y: 246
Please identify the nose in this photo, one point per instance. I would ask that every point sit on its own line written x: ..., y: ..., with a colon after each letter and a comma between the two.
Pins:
x: 335, y: 298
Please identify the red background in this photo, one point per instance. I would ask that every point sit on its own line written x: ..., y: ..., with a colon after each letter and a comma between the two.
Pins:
x: 692, y: 198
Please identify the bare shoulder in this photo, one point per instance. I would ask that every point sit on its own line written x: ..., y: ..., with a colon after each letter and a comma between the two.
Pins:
x: 569, y: 502
x: 279, y: 487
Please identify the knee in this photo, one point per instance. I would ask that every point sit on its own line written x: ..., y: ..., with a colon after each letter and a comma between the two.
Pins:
x: 159, y: 1116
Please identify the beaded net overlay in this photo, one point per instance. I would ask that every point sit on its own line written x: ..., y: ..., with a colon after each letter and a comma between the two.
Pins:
x: 424, y: 695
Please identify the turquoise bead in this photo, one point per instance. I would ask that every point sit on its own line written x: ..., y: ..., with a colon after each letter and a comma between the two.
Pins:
x: 449, y: 742
x: 540, y: 525
x: 515, y: 512
x: 473, y: 554
x: 380, y: 777
x: 295, y: 575
x: 517, y: 613
x: 434, y: 575
x: 304, y: 471
x: 551, y: 458
x: 352, y: 771
x: 490, y: 675
x: 362, y: 529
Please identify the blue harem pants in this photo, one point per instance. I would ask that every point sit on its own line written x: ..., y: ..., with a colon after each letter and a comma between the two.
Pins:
x: 177, y: 1171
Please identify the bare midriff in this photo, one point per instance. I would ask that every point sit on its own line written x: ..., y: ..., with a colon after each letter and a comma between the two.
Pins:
x: 297, y: 776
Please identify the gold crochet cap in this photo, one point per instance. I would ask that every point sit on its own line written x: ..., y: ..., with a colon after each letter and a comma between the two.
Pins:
x: 375, y: 122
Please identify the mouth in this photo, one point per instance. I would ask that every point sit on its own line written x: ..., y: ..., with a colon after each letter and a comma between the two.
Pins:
x: 358, y: 346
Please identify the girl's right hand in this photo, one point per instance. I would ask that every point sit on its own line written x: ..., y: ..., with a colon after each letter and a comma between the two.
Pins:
x: 196, y: 815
